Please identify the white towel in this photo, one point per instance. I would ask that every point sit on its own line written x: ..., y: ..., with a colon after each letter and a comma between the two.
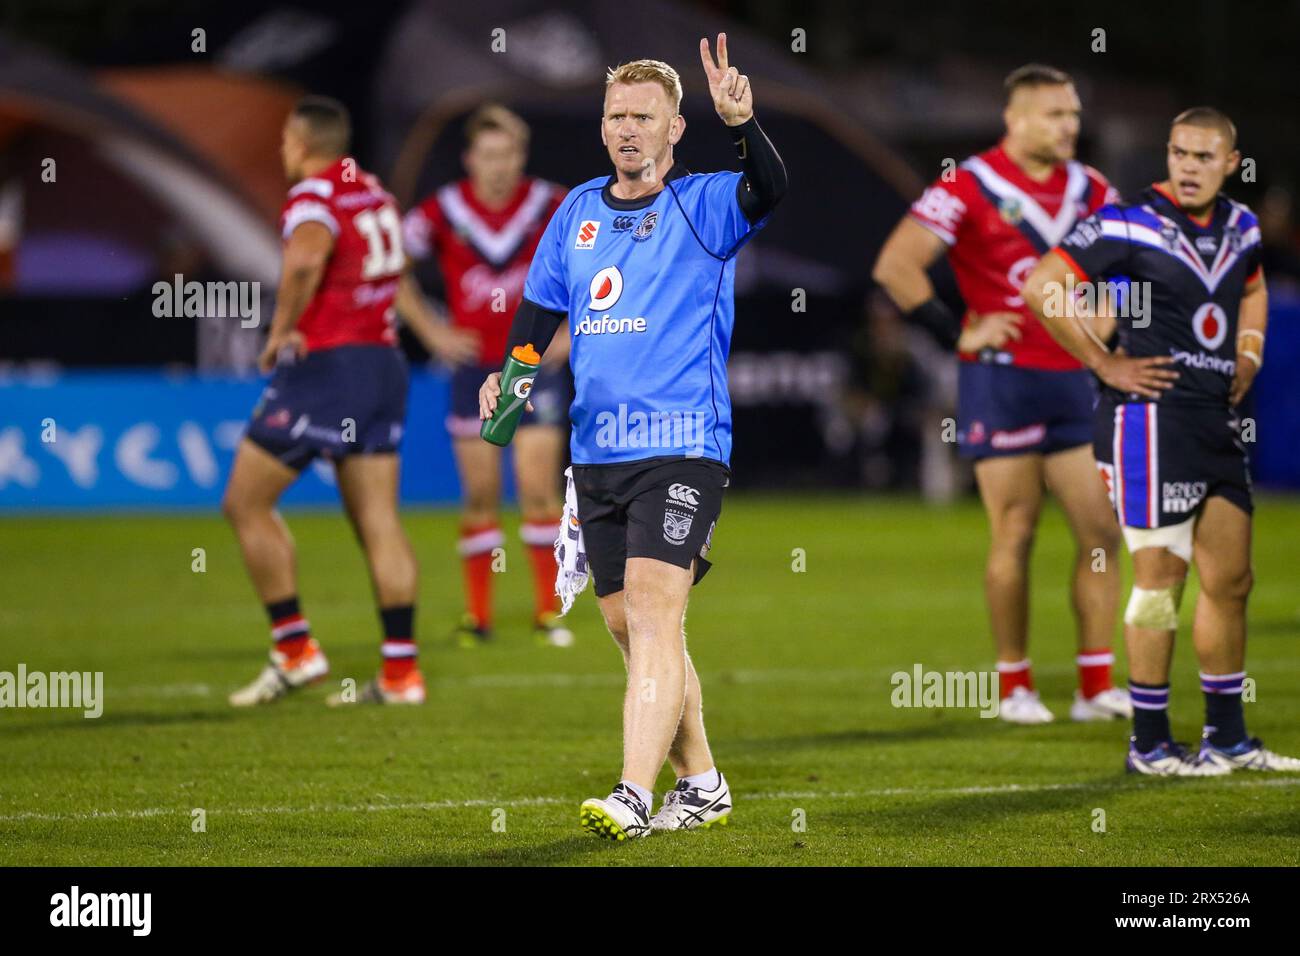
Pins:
x: 570, y: 550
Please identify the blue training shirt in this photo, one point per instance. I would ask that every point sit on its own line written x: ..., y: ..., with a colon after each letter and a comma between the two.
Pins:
x: 648, y: 288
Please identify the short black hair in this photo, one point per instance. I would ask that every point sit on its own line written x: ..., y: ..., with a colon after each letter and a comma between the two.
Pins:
x: 1034, y: 74
x: 329, y: 128
x: 1207, y: 117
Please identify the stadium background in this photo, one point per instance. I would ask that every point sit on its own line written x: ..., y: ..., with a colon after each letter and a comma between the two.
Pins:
x: 167, y: 162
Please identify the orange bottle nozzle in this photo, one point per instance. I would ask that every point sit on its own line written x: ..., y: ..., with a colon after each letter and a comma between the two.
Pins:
x: 526, y: 354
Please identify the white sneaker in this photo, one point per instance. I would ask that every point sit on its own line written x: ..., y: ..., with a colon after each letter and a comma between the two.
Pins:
x: 620, y: 816
x: 380, y: 690
x: 1250, y: 754
x: 551, y: 632
x: 1169, y: 759
x: 1112, y: 703
x: 686, y: 807
x: 282, y: 675
x: 1024, y: 707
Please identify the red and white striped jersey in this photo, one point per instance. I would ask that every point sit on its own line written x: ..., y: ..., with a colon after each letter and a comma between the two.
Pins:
x: 483, y: 253
x: 997, y: 223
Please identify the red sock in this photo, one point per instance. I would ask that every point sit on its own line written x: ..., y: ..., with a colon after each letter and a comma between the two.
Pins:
x: 1013, y: 674
x: 476, y: 546
x: 289, y: 629
x: 395, y: 668
x: 398, y: 649
x: 540, y: 537
x: 1094, y: 671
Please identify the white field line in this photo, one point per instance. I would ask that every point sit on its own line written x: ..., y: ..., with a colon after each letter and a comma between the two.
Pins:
x: 615, y: 679
x: 612, y: 679
x: 160, y: 690
x: 1011, y: 788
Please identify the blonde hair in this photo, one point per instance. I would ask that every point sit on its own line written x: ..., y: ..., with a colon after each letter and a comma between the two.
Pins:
x: 494, y: 116
x: 649, y: 71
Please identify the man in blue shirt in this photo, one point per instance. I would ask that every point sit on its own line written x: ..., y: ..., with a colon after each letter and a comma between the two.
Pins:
x: 641, y: 264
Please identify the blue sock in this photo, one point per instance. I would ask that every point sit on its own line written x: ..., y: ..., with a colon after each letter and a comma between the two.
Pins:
x: 1150, y: 715
x: 1225, y: 724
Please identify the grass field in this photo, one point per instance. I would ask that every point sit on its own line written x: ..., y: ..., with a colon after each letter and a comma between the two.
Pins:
x: 796, y: 670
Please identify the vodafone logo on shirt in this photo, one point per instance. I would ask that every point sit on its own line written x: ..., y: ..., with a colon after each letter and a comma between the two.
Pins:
x: 1210, y: 323
x: 606, y: 287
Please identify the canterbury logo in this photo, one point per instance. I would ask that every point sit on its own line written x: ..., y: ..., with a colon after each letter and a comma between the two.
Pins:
x: 686, y: 495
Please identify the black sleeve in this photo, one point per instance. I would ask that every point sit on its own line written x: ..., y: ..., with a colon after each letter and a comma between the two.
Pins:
x: 936, y: 318
x: 764, y: 181
x: 535, y: 325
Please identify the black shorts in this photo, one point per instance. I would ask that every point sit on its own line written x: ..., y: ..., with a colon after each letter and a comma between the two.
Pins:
x: 349, y: 400
x: 551, y: 396
x: 662, y: 508
x: 1160, y: 462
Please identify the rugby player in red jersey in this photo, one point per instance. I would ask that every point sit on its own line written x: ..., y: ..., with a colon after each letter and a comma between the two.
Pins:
x: 483, y: 230
x: 339, y: 392
x: 1024, y: 403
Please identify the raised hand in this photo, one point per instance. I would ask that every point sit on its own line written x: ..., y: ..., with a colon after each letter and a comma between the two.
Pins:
x: 727, y: 85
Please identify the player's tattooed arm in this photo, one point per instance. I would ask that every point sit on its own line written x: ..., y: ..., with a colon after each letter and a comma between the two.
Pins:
x: 305, y: 256
x: 1147, y: 377
x: 1252, y: 324
x: 440, y: 338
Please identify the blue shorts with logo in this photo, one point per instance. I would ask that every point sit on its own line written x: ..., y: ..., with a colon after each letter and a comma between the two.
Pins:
x: 349, y: 400
x: 1006, y: 410
x: 551, y: 396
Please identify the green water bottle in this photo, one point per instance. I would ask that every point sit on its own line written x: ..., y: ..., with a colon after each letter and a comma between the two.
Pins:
x: 516, y: 385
